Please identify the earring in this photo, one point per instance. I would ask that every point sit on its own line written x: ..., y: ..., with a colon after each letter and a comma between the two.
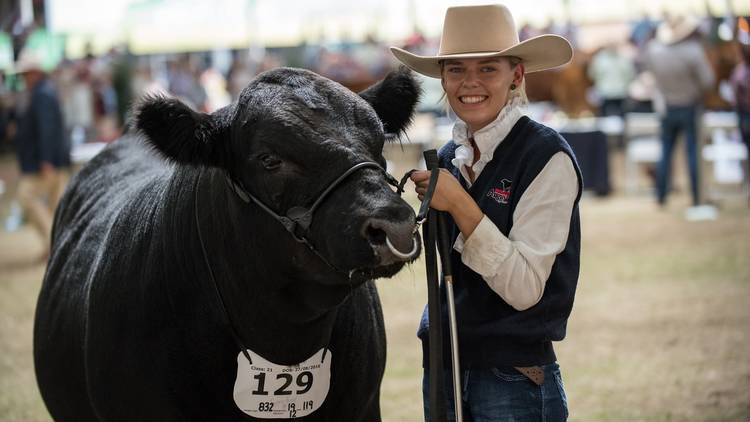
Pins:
x: 512, y: 87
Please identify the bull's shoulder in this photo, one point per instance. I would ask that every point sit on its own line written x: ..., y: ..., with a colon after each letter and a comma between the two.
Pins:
x: 128, y: 157
x: 108, y: 220
x: 118, y: 173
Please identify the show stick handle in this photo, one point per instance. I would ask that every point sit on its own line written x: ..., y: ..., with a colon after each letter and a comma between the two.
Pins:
x: 430, y: 159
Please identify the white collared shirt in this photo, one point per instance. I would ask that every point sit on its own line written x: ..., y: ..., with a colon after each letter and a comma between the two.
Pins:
x: 517, y: 267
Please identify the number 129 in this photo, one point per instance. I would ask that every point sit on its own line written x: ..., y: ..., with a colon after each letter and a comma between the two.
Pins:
x: 304, y: 380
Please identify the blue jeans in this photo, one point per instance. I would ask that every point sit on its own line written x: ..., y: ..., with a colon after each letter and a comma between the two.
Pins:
x: 744, y: 122
x: 504, y: 394
x: 676, y: 120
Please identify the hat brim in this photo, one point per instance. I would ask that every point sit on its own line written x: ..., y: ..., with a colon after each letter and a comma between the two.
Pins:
x: 538, y: 53
x: 668, y: 35
x: 21, y: 69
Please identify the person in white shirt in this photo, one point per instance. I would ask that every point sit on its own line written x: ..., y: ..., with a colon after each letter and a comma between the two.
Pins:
x: 612, y: 71
x: 511, y: 187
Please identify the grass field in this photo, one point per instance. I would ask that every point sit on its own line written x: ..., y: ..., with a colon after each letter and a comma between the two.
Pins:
x: 660, y: 330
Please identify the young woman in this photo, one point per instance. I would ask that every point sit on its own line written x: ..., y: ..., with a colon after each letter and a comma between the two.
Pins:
x: 511, y: 187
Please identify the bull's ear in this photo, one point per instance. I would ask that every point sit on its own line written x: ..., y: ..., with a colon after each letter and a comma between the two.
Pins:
x: 182, y: 134
x: 394, y: 99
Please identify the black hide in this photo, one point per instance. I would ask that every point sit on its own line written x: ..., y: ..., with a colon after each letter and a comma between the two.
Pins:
x: 129, y: 325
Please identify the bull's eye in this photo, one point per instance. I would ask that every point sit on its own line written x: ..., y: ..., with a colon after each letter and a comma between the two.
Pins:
x: 269, y: 161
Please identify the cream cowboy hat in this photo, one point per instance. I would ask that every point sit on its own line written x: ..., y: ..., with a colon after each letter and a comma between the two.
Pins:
x: 674, y: 30
x: 28, y: 61
x: 487, y: 31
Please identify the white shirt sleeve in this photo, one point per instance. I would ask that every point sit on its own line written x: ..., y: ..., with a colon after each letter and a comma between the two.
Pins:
x: 517, y: 267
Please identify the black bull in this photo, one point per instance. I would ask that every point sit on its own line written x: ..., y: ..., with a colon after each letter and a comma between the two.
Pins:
x: 130, y: 324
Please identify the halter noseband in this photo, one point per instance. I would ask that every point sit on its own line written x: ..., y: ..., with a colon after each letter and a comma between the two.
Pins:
x: 298, y: 220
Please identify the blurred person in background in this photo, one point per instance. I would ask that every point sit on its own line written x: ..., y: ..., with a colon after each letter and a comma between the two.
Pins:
x: 740, y: 81
x: 77, y: 97
x: 641, y: 93
x: 184, y: 83
x: 4, y: 112
x: 511, y: 187
x: 144, y: 83
x: 416, y: 42
x: 612, y: 72
x: 122, y: 81
x: 526, y: 32
x: 239, y: 76
x: 105, y: 101
x: 683, y: 75
x: 215, y: 87
x: 42, y: 146
x: 643, y: 31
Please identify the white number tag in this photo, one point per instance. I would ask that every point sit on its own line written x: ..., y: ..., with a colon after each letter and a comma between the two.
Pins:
x: 266, y: 390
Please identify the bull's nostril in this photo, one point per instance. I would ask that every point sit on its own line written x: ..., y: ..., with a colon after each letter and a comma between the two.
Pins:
x: 391, y: 241
x: 375, y: 235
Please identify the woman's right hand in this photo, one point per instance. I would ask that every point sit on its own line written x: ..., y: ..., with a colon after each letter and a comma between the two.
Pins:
x: 447, y: 190
x: 450, y: 196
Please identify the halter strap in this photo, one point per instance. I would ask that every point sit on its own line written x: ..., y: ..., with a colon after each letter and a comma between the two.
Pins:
x: 298, y: 220
x: 222, y: 303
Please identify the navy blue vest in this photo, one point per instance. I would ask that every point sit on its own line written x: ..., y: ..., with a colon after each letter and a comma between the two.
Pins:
x: 492, y: 333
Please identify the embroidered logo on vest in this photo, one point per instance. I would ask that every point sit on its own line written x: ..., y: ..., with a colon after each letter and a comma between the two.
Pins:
x: 501, y: 194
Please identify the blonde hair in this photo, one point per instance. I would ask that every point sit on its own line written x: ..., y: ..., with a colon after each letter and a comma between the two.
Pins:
x: 520, y: 90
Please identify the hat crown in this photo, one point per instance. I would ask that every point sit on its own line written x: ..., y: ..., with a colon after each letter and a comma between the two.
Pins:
x: 477, y: 29
x: 28, y: 60
x: 677, y: 28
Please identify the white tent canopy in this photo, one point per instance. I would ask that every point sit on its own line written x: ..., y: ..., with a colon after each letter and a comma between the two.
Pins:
x: 184, y: 25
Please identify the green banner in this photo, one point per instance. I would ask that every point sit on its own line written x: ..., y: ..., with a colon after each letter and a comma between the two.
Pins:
x: 49, y: 46
x: 6, y: 52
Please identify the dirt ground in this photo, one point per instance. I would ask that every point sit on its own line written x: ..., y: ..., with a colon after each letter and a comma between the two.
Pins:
x: 659, y: 330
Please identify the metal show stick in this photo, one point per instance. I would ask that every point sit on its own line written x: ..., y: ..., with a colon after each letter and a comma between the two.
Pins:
x: 444, y: 247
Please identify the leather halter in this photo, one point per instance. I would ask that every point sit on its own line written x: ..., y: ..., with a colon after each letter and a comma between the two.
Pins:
x: 298, y: 220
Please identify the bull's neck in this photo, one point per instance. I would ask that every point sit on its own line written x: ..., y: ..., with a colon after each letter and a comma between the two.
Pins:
x: 277, y: 308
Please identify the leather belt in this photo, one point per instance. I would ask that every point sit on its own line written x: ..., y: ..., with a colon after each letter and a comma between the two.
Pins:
x: 534, y: 373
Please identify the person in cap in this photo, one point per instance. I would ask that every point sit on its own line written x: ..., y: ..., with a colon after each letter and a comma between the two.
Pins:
x: 42, y: 147
x: 511, y: 187
x: 682, y: 75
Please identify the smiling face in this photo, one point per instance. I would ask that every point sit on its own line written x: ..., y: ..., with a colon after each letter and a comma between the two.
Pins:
x: 477, y: 89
